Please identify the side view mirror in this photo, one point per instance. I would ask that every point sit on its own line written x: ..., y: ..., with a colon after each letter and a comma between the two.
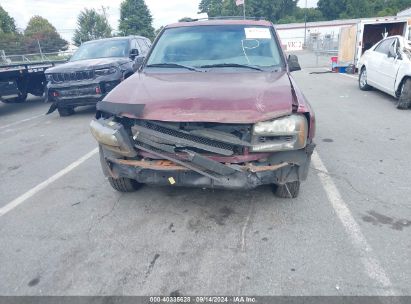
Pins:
x: 139, y: 61
x: 392, y: 52
x: 134, y: 53
x: 293, y: 64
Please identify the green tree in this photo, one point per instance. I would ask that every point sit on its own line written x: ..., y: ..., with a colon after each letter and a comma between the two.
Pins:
x: 212, y: 8
x: 289, y: 19
x: 136, y: 19
x: 300, y: 14
x: 343, y: 9
x: 286, y: 11
x: 11, y: 42
x: 358, y: 9
x: 390, y: 7
x: 186, y: 19
x: 40, y: 31
x: 229, y: 8
x: 331, y: 9
x: 90, y: 26
x: 268, y: 9
x: 7, y: 24
x: 389, y: 11
x: 312, y: 14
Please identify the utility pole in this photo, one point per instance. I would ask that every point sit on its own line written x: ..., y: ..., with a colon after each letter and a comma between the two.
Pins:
x: 41, y: 52
x: 244, y: 9
x: 305, y: 24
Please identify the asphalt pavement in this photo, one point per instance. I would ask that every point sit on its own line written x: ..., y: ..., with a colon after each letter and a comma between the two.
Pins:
x: 65, y: 231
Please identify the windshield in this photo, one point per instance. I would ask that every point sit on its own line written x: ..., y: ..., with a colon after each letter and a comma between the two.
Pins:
x: 101, y: 49
x: 205, y: 46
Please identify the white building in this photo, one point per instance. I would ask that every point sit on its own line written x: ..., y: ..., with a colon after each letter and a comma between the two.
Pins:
x: 405, y: 13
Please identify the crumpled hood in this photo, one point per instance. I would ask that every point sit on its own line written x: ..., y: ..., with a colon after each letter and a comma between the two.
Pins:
x: 240, y: 97
x: 89, y: 64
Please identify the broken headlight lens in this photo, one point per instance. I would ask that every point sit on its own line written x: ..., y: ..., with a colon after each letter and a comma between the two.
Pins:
x: 283, y: 134
x: 106, y: 71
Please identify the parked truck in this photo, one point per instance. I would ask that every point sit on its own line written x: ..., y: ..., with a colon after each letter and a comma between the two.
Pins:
x: 16, y: 81
x: 358, y: 38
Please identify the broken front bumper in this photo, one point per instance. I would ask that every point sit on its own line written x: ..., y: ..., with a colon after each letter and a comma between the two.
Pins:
x: 246, y: 177
x: 147, y: 161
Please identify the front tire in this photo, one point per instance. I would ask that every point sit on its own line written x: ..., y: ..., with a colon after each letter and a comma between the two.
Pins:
x: 288, y: 190
x: 362, y: 80
x: 123, y: 184
x: 404, y: 100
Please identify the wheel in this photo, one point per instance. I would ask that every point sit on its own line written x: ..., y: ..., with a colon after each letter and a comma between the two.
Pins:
x: 362, y: 81
x: 288, y: 190
x: 404, y: 100
x: 124, y: 184
x: 65, y: 111
x: 20, y: 99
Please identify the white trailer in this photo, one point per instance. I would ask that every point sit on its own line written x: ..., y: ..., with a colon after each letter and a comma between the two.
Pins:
x: 358, y: 38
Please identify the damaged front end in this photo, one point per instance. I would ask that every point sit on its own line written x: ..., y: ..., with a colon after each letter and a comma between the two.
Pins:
x: 203, y: 154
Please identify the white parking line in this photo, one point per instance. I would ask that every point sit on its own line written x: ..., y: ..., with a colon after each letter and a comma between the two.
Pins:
x: 373, y: 268
x: 21, y: 199
x: 351, y: 76
x: 20, y: 121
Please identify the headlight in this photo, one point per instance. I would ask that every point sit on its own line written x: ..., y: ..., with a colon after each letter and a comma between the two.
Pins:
x: 113, y: 137
x: 107, y: 71
x: 287, y: 133
x: 49, y: 77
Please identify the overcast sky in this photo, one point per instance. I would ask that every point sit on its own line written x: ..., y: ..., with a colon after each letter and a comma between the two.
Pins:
x: 63, y: 14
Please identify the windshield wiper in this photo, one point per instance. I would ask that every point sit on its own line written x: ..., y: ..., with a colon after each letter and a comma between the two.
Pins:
x: 231, y: 65
x: 172, y: 65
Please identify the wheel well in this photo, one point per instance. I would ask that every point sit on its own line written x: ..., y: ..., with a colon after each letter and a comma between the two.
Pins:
x: 362, y: 67
x: 398, y: 91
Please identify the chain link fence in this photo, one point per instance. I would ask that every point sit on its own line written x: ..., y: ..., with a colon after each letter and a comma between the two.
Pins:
x: 314, y: 50
x: 322, y: 43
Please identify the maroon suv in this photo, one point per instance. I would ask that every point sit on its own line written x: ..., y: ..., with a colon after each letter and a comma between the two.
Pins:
x: 213, y: 106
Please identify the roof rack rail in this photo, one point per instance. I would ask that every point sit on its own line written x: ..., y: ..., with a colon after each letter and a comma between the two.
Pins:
x: 224, y: 18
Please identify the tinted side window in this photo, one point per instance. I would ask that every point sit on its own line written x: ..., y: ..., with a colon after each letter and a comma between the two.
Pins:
x: 384, y: 46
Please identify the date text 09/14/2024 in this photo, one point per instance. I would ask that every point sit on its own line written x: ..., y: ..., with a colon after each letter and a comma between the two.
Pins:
x: 202, y: 299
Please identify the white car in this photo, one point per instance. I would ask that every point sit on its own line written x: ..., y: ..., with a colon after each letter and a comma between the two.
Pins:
x: 387, y: 67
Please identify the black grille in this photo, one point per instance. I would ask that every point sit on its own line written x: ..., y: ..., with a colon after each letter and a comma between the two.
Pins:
x: 73, y: 76
x: 194, y: 138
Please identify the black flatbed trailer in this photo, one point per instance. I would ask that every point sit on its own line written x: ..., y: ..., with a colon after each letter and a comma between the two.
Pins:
x: 18, y: 80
